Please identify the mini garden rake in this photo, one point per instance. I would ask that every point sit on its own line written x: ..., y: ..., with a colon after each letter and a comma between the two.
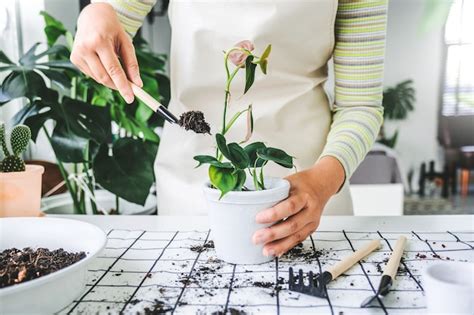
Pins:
x: 317, y: 284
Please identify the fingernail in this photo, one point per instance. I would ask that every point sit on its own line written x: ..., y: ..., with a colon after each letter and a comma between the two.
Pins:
x: 258, y: 238
x: 259, y: 218
x: 128, y: 99
x: 138, y: 81
x: 269, y: 252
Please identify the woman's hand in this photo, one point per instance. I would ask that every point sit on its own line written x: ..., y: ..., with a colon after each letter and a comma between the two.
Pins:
x: 99, y: 43
x: 301, y: 211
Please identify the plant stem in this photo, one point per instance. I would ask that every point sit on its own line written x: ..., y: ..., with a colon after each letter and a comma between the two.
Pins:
x: 117, y: 204
x: 65, y: 176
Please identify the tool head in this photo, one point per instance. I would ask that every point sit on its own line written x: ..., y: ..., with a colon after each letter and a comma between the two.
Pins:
x: 384, y: 288
x: 316, y: 283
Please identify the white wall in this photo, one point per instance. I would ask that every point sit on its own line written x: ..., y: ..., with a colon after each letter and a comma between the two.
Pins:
x: 413, y: 55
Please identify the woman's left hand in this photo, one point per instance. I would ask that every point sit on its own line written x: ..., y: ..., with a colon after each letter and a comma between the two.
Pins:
x: 296, y: 217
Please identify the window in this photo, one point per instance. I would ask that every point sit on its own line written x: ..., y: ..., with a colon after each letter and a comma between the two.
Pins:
x: 458, y: 89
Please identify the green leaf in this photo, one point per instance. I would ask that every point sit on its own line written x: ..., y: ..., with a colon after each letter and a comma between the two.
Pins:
x: 59, y: 64
x: 21, y: 84
x: 67, y: 145
x: 249, y: 73
x: 223, y: 179
x: 53, y: 29
x: 251, y: 150
x: 222, y: 145
x: 128, y: 171
x: 264, y: 59
x: 276, y: 155
x: 207, y: 159
x: 4, y: 59
x: 238, y: 156
x: 241, y: 177
x: 36, y: 122
x: 58, y: 77
x: 29, y: 56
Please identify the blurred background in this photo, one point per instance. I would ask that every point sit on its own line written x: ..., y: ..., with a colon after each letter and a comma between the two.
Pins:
x: 422, y: 163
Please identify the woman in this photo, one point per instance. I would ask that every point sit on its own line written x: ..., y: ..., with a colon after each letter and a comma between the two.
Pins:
x: 291, y: 109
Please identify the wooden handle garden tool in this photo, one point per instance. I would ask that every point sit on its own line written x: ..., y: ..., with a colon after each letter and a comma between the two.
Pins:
x: 352, y: 259
x: 153, y: 104
x: 389, y: 272
x: 317, y: 285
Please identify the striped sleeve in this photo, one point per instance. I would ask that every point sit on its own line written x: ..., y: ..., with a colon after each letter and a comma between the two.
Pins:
x: 360, y: 30
x: 131, y: 13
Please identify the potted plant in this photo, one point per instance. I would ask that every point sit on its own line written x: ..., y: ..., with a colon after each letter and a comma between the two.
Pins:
x: 237, y: 188
x: 20, y: 184
x: 94, y: 132
x: 398, y: 102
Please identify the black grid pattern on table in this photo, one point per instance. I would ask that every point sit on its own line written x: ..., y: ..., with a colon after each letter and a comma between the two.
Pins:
x: 171, y: 271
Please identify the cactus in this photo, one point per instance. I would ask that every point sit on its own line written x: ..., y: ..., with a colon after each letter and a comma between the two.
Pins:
x: 19, y: 139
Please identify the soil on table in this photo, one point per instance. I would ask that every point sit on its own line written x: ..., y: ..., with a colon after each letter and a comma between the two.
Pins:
x: 194, y: 120
x: 17, y: 266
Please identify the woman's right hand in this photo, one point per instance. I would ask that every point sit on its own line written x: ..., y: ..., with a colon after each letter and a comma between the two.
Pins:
x: 99, y: 43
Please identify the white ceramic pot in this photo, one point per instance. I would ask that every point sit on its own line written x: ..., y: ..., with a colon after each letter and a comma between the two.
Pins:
x: 52, y: 292
x: 449, y: 287
x: 232, y: 220
x: 20, y: 192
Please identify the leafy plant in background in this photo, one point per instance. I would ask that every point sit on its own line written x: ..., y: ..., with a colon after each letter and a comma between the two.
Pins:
x: 397, y: 102
x: 95, y: 133
x: 231, y: 175
x: 19, y: 138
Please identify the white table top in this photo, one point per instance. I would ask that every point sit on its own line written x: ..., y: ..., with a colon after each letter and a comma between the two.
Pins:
x: 335, y: 223
x: 149, y: 262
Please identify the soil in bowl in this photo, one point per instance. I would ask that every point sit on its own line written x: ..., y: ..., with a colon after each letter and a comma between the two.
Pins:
x: 17, y: 266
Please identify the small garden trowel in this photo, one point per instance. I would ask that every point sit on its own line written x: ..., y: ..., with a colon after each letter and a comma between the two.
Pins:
x: 317, y: 284
x: 389, y: 273
x: 153, y: 104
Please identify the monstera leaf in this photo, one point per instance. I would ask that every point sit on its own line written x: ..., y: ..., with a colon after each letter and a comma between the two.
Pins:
x: 128, y: 169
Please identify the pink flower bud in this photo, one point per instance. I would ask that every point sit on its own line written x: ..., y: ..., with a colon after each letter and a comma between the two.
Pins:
x: 238, y: 57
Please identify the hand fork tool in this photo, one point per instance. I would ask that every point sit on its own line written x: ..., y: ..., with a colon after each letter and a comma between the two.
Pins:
x: 317, y: 284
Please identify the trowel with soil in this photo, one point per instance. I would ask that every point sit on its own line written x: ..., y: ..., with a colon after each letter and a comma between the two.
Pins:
x: 192, y: 120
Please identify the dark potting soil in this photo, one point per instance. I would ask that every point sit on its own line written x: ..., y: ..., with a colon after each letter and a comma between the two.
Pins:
x: 17, y: 266
x: 158, y: 307
x: 201, y: 248
x: 194, y: 120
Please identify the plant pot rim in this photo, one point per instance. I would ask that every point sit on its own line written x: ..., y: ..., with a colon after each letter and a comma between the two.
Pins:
x: 278, y: 189
x: 29, y: 170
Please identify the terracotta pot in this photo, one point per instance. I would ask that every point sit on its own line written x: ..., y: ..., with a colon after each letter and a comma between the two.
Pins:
x: 232, y: 219
x: 20, y: 192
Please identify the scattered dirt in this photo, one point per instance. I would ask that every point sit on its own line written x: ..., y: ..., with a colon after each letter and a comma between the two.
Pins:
x: 17, y: 266
x: 158, y: 307
x: 230, y: 311
x: 201, y: 248
x: 194, y: 120
x: 421, y: 256
x: 263, y: 284
x: 307, y: 254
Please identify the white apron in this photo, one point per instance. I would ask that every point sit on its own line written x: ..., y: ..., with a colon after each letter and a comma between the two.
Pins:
x: 291, y: 109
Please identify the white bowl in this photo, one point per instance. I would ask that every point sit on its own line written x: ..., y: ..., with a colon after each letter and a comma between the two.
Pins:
x: 449, y: 287
x: 50, y: 293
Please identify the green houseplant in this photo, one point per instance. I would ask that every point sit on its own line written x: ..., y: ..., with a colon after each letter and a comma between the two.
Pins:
x: 20, y: 184
x: 397, y: 102
x: 237, y: 188
x: 95, y: 133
